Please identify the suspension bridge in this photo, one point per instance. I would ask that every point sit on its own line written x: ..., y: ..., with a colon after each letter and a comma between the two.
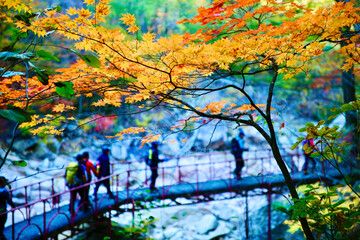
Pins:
x: 201, y: 177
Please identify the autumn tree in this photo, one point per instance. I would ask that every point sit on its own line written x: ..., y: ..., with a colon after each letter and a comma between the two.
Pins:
x: 239, y: 43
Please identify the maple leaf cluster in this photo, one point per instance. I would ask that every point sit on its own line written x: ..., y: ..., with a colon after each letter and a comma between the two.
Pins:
x: 162, y: 69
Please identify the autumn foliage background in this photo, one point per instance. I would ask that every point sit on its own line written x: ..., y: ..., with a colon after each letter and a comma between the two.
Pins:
x: 235, y: 62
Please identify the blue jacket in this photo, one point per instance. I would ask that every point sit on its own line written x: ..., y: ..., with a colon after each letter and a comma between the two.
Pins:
x: 104, y: 162
x: 5, y: 198
x: 154, y: 157
x: 237, y: 147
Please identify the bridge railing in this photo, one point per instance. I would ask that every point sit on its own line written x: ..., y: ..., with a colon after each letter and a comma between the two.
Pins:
x: 129, y: 176
x: 178, y: 170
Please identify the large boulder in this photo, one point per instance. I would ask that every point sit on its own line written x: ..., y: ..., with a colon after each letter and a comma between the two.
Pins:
x: 170, y: 232
x: 207, y: 223
x: 221, y: 230
x: 24, y: 145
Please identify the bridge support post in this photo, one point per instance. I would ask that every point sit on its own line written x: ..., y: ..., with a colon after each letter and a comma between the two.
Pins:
x: 133, y: 213
x: 109, y: 225
x: 179, y: 171
x: 246, y: 216
x: 269, y: 211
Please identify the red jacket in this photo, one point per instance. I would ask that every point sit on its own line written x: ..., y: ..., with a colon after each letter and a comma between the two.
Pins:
x: 90, y: 167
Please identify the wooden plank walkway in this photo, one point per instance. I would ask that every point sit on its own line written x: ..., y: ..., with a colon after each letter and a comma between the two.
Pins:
x: 61, y: 216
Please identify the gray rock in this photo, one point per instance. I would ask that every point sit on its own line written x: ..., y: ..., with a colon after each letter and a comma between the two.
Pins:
x: 207, y: 223
x: 225, y: 213
x: 24, y: 145
x: 170, y: 232
x: 222, y: 230
x: 46, y: 163
x: 119, y: 150
x: 34, y: 164
x: 61, y: 161
x: 178, y: 236
x: 157, y: 234
x: 39, y: 151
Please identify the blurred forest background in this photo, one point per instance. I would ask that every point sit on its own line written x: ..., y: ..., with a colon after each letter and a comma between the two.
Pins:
x: 308, y: 98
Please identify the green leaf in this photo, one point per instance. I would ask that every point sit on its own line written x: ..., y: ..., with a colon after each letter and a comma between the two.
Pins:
x: 47, y: 56
x: 355, y: 214
x: 321, y: 122
x: 309, y: 124
x: 296, y: 214
x: 20, y: 163
x: 17, y: 115
x: 58, y: 9
x: 42, y: 76
x: 19, y: 35
x: 25, y: 17
x: 315, y: 154
x: 90, y: 60
x: 176, y: 218
x: 348, y: 224
x: 65, y: 89
x: 302, y: 129
x: 127, y: 80
x: 333, y: 116
x: 338, y: 203
x: 336, y: 110
x: 11, y: 56
x: 295, y: 145
x: 303, y: 214
x: 132, y: 80
x: 347, y: 107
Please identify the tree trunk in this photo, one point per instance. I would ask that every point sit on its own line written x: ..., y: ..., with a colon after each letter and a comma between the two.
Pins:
x: 348, y: 86
x: 288, y: 180
x: 304, y: 223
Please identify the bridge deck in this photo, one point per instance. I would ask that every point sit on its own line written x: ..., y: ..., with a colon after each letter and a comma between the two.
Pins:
x: 62, y: 214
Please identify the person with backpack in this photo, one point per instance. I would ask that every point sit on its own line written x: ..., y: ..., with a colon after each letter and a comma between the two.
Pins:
x: 237, y: 149
x: 4, y: 200
x: 152, y: 160
x: 89, y: 167
x: 75, y: 177
x: 103, y: 170
x: 309, y: 143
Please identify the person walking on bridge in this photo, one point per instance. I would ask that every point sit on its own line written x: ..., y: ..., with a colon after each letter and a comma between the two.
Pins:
x: 89, y: 167
x: 4, y: 199
x: 237, y: 149
x: 152, y: 160
x: 103, y: 170
x: 75, y: 177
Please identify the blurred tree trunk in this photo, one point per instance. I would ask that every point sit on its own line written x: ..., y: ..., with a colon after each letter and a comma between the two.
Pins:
x: 349, y: 91
x: 349, y: 94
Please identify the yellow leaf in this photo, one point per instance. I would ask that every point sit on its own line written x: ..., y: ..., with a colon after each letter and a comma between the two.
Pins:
x: 128, y: 19
x: 148, y: 37
x: 90, y: 2
x: 133, y: 29
x: 59, y: 108
x: 71, y: 11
